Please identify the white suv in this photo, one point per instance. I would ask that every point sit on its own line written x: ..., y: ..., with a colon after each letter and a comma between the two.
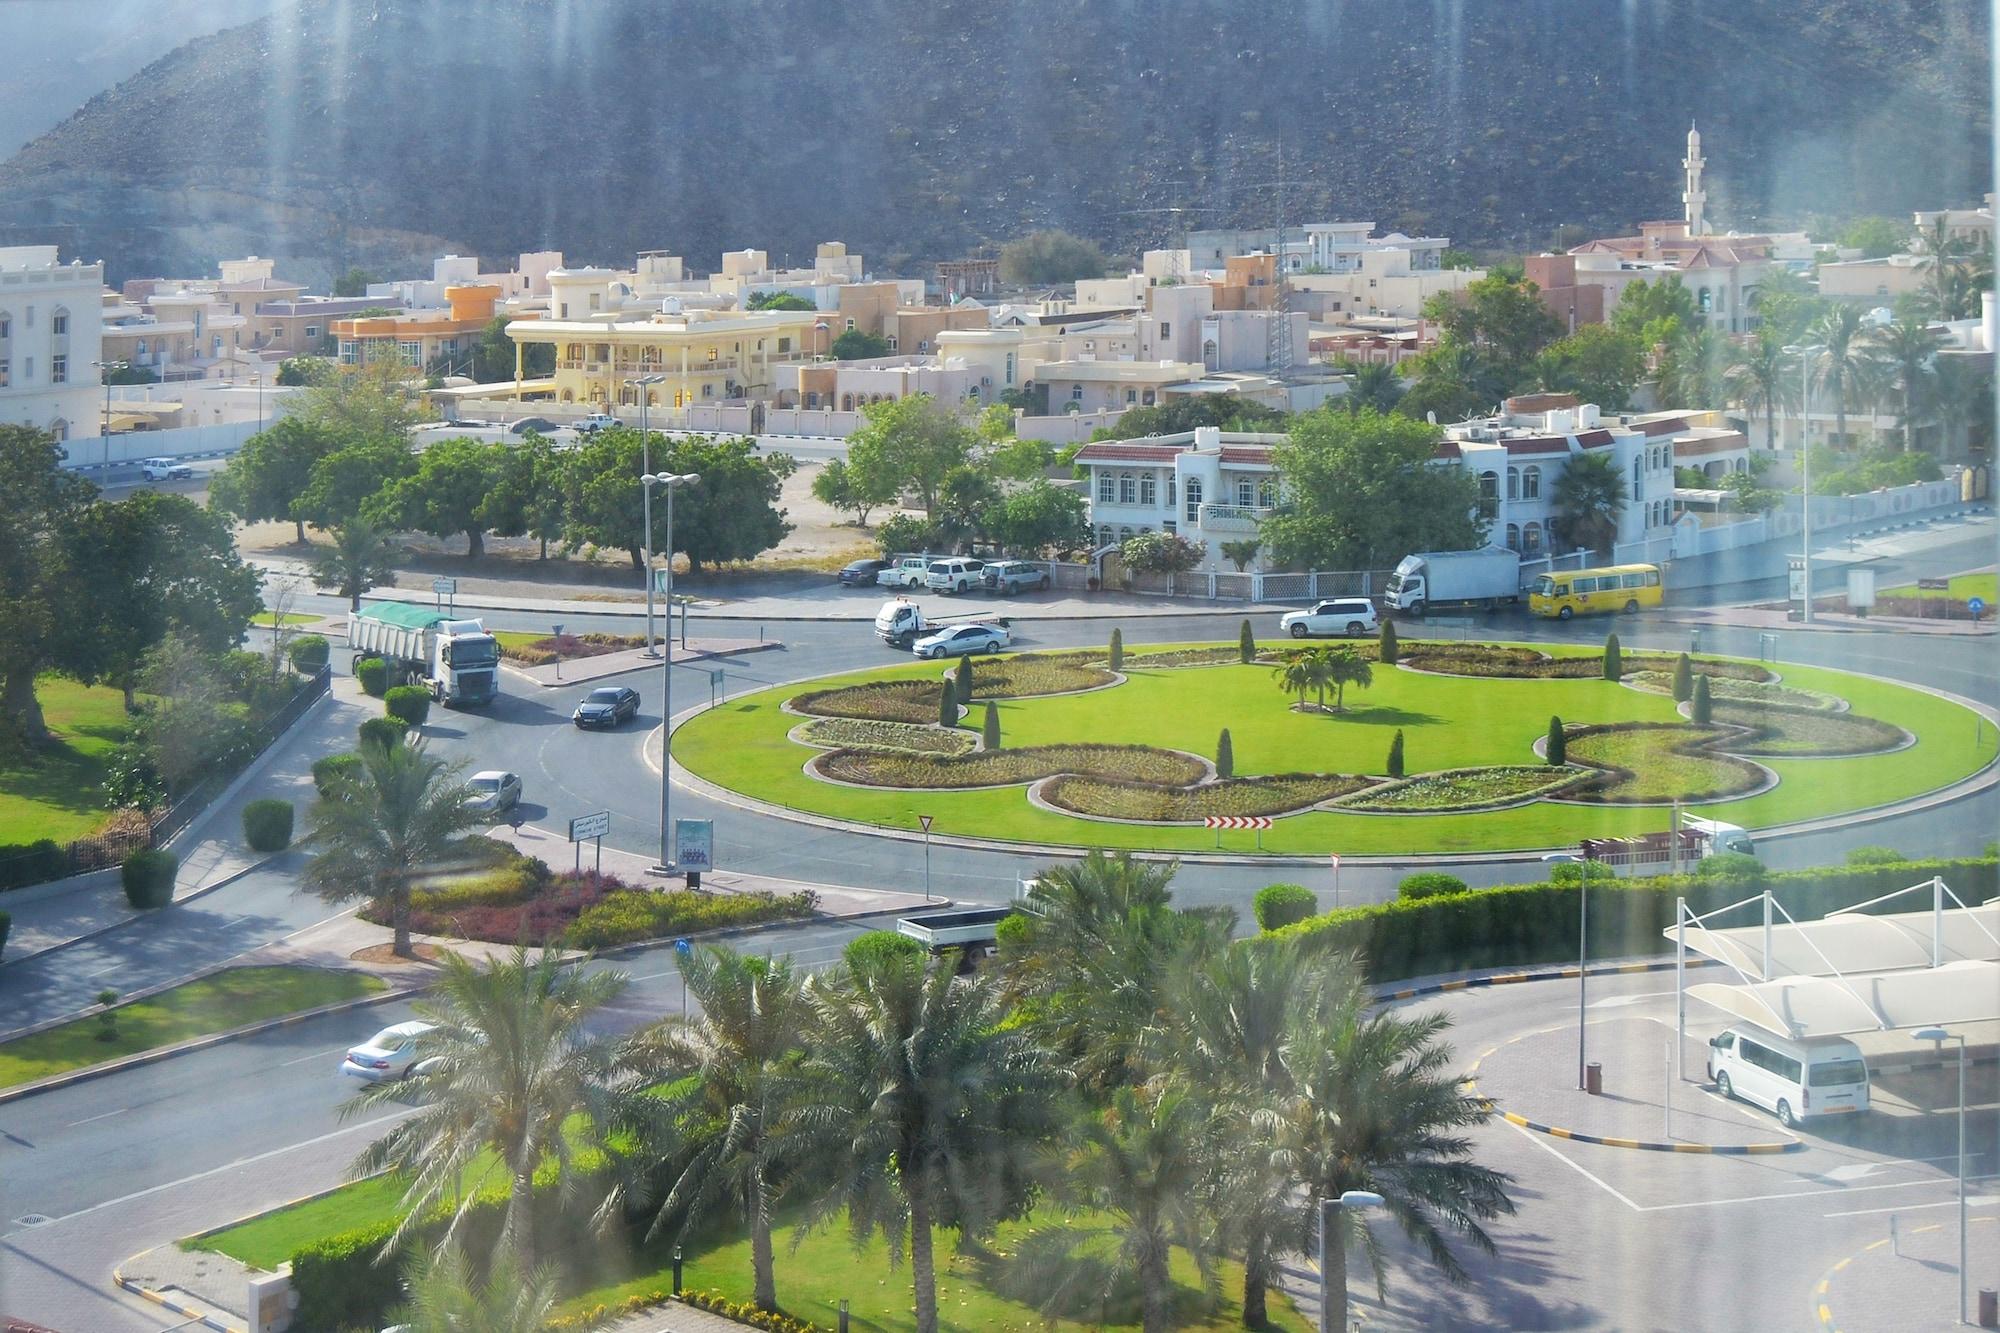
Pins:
x: 953, y: 575
x: 164, y: 469
x: 1352, y: 616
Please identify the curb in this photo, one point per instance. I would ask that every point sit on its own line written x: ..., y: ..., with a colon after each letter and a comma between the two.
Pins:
x: 687, y: 658
x: 99, y: 931
x: 205, y: 1317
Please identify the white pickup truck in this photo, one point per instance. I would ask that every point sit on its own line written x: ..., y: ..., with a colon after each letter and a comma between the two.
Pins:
x: 902, y: 622
x: 595, y: 422
x: 164, y: 469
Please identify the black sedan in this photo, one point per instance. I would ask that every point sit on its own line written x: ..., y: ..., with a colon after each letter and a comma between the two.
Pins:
x: 606, y: 707
x: 861, y: 573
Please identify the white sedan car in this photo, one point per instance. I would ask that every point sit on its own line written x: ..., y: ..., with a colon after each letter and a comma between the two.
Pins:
x: 493, y: 792
x: 390, y: 1053
x: 958, y: 640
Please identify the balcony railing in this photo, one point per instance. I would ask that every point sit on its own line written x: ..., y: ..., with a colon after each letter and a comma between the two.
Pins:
x: 1233, y: 518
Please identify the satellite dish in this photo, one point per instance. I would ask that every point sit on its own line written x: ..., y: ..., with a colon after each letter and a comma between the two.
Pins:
x: 1431, y: 416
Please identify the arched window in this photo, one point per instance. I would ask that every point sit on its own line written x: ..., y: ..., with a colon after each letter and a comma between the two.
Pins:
x: 573, y: 352
x: 1513, y: 483
x: 59, y: 428
x: 1193, y: 490
x: 1128, y: 488
x: 59, y: 322
x: 1489, y: 485
x: 652, y: 397
x: 1531, y: 482
x: 1170, y: 491
x: 6, y: 324
x: 1531, y: 539
x: 847, y: 402
x: 1149, y: 490
x: 1513, y: 536
x: 1104, y: 535
x: 569, y: 395
x: 1124, y: 535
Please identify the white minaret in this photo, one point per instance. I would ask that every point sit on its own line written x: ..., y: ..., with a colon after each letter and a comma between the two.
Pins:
x: 1694, y: 198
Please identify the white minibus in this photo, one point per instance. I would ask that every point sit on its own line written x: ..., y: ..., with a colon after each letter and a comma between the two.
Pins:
x: 1799, y: 1080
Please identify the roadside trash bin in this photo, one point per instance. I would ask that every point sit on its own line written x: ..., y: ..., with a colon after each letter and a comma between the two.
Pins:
x: 1989, y: 1308
x: 1593, y: 1079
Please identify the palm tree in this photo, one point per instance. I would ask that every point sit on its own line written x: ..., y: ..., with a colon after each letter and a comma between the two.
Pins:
x: 1295, y: 676
x: 1948, y: 254
x: 401, y: 817
x: 511, y: 1081
x: 1963, y: 396
x: 1905, y: 354
x: 444, y: 1299
x: 1374, y: 1106
x: 1842, y: 365
x: 920, y: 1105
x: 1372, y: 385
x: 361, y: 556
x: 1145, y: 1161
x: 1341, y: 667
x: 1690, y: 371
x: 1588, y: 498
x: 724, y: 1073
x: 1761, y: 378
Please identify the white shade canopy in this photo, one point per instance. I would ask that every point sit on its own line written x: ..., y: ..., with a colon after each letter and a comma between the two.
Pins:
x: 1803, y: 1007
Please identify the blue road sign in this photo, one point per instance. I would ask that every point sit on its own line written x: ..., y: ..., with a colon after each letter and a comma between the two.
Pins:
x: 1976, y: 605
x: 683, y: 947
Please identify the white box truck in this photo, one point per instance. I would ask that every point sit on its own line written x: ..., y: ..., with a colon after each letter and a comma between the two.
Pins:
x: 1485, y: 578
x: 456, y: 659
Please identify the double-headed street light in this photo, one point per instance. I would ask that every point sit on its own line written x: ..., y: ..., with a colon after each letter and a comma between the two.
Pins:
x: 671, y: 481
x: 1332, y: 1285
x: 643, y: 383
x: 105, y: 430
x: 1940, y: 1036
x: 1805, y: 355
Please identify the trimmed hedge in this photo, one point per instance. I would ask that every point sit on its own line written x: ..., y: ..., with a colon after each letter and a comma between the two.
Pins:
x: 148, y: 878
x: 1279, y: 905
x: 334, y: 766
x: 410, y: 703
x: 307, y: 653
x: 23, y: 863
x: 1428, y: 884
x: 373, y: 673
x: 875, y: 946
x: 267, y: 825
x: 1514, y: 925
x: 383, y: 731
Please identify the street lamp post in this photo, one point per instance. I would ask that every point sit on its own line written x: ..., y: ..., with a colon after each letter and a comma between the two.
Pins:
x: 1940, y: 1035
x: 105, y: 429
x: 643, y: 383
x: 1805, y: 355
x: 1333, y: 1285
x: 672, y: 482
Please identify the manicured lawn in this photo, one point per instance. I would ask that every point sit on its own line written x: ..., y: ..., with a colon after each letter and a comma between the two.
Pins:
x: 1448, y: 722
x: 213, y: 1004
x: 1985, y: 586
x: 824, y: 1269
x: 270, y: 619
x: 267, y: 1241
x: 55, y: 792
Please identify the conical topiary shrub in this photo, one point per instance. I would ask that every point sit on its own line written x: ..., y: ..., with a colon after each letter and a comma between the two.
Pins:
x: 1557, y: 750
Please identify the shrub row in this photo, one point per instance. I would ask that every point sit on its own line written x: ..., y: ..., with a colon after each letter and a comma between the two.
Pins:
x: 874, y: 946
x: 1519, y: 924
x: 23, y: 863
x: 1456, y: 789
x: 1487, y: 659
x: 307, y: 653
x: 995, y: 768
x: 1651, y: 762
x: 1278, y: 794
x: 328, y: 770
x: 408, y: 704
x: 637, y: 914
x: 744, y: 1313
x: 1028, y: 674
x: 857, y: 733
x: 545, y: 650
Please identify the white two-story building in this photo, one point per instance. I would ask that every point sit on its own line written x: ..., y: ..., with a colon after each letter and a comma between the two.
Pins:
x: 1210, y: 486
x: 51, y: 341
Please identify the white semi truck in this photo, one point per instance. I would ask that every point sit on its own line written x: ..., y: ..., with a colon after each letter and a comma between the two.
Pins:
x: 456, y: 659
x: 1484, y: 577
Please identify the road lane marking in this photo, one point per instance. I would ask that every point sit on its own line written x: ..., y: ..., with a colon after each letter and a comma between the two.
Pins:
x: 94, y: 1118
x: 1768, y: 1198
x: 1976, y: 1201
x: 316, y: 1055
x: 1577, y: 1167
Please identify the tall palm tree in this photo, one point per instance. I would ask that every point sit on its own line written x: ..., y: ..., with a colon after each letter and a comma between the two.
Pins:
x: 1948, y: 254
x: 361, y: 556
x: 511, y: 1081
x: 1905, y: 354
x: 1689, y: 373
x: 1588, y: 498
x: 1374, y: 1106
x: 919, y: 1104
x: 1843, y: 365
x: 724, y: 1074
x: 443, y: 1297
x: 1763, y: 378
x: 398, y: 819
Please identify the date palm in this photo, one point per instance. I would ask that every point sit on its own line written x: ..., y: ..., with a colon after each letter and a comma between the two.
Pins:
x: 1764, y: 379
x: 1338, y: 668
x: 380, y: 830
x: 1948, y: 255
x: 1295, y: 676
x: 919, y: 1105
x: 443, y: 1297
x: 360, y: 556
x: 1905, y: 355
x: 724, y: 1073
x: 512, y: 1082
x: 1690, y: 372
x: 1843, y: 365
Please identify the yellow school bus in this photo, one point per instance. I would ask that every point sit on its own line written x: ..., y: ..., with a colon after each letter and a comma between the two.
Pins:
x: 1583, y: 591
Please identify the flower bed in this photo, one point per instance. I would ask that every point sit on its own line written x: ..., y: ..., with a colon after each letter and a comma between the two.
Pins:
x: 1792, y: 732
x: 913, y: 701
x: 1465, y: 789
x: 1000, y: 768
x: 1116, y: 799
x: 1192, y: 657
x: 629, y: 915
x: 1742, y: 691
x: 542, y: 651
x: 583, y: 909
x: 850, y: 733
x: 1657, y: 762
x: 1029, y: 674
x: 1486, y: 659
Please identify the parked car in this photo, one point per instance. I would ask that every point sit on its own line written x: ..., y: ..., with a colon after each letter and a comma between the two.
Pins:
x: 905, y: 571
x: 539, y: 425
x: 595, y: 422
x: 493, y: 791
x: 953, y: 574
x: 1352, y: 616
x: 959, y: 640
x: 1796, y: 1080
x: 390, y: 1053
x: 607, y: 707
x: 861, y: 573
x: 1008, y: 577
x: 164, y: 469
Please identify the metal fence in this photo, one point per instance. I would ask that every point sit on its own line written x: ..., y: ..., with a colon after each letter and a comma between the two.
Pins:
x: 1221, y: 586
x: 34, y: 864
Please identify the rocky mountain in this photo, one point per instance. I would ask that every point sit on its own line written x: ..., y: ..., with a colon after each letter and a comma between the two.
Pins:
x: 383, y: 132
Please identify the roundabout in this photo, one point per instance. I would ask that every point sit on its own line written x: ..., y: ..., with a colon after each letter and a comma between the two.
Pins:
x: 1089, y: 756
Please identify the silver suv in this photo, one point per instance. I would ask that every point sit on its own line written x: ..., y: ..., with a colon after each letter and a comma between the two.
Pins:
x: 1008, y: 577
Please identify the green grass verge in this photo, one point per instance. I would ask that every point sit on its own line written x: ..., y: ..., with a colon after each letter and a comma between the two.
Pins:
x: 271, y: 1239
x: 1984, y: 586
x: 196, y: 1009
x: 271, y: 619
x: 55, y: 791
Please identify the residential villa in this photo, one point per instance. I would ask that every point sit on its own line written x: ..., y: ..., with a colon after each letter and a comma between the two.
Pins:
x: 50, y: 341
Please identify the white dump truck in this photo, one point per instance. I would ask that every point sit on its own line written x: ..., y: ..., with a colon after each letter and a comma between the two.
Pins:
x: 1484, y: 577
x: 456, y: 659
x: 901, y: 622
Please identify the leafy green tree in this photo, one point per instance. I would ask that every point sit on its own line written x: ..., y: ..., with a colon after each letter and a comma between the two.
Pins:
x: 493, y: 355
x: 1394, y: 766
x: 265, y: 478
x: 354, y: 282
x: 449, y: 492
x: 372, y: 403
x: 1556, y: 751
x: 1296, y: 674
x: 299, y: 371
x: 341, y: 485
x: 513, y: 1082
x: 1363, y: 491
x: 1193, y: 411
x: 1050, y: 258
x: 731, y: 513
x: 1614, y: 666
x: 920, y: 1103
x: 43, y: 503
x: 1843, y: 366
x: 1588, y: 497
x: 965, y: 499
x: 1655, y: 312
x: 1906, y: 358
x: 778, y: 301
x: 1027, y: 460
x: 840, y: 487
x: 379, y: 832
x: 905, y: 532
x: 1787, y: 303
x: 528, y: 495
x: 1875, y: 237
x: 1455, y: 378
x: 149, y: 566
x: 1038, y: 519
x: 908, y: 444
x: 1597, y: 363
x: 1692, y: 370
x: 444, y: 1297
x: 1441, y: 397
x: 859, y: 345
x: 360, y: 556
x: 1161, y: 553
x: 1241, y: 553
x: 723, y: 1079
x: 1502, y: 317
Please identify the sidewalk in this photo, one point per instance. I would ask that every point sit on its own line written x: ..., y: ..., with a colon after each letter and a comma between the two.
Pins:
x: 1754, y: 617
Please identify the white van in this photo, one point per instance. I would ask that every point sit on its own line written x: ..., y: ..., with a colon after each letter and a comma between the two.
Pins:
x: 1721, y: 837
x: 1799, y: 1080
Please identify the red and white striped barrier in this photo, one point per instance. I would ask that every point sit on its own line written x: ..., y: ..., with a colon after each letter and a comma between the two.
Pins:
x: 1236, y: 821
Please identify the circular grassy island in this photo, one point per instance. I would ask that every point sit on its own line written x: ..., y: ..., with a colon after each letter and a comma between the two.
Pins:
x: 1089, y: 756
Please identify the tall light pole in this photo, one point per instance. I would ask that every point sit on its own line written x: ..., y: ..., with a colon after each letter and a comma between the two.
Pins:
x: 1940, y: 1035
x: 1805, y: 355
x: 643, y: 383
x: 1333, y: 1285
x: 672, y: 482
x: 105, y: 430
